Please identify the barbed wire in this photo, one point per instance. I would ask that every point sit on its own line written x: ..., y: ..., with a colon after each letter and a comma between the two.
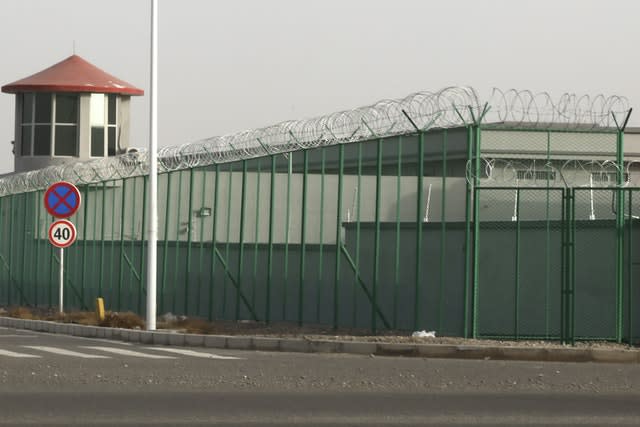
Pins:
x: 448, y: 107
x: 571, y: 111
x: 496, y: 172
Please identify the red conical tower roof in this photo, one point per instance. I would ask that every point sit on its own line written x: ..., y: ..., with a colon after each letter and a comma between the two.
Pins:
x: 74, y: 74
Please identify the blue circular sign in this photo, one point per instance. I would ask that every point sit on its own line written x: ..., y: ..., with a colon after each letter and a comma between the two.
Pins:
x: 62, y: 199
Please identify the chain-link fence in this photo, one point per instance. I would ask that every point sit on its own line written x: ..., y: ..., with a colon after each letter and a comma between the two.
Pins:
x: 495, y: 232
x: 354, y: 235
x: 519, y: 266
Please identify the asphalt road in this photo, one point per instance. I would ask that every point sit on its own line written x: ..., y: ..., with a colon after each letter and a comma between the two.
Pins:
x: 59, y: 380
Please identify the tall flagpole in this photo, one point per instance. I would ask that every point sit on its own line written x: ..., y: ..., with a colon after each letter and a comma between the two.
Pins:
x: 152, y: 238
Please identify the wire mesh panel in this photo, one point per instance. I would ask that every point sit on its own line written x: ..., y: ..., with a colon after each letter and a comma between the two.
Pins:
x: 372, y: 234
x: 594, y: 277
x: 547, y: 158
x: 519, y: 262
x: 631, y: 293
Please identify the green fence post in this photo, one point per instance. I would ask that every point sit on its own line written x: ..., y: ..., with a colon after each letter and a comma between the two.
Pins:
x: 132, y: 272
x: 187, y: 273
x: 321, y: 235
x: 467, y: 234
x: 303, y: 229
x: 443, y: 230
x: 620, y: 223
x: 396, y: 282
x: 241, y: 236
x: 176, y: 262
x: 167, y: 216
x: 630, y: 268
x: 24, y: 239
x: 356, y: 205
x: 572, y: 261
x: 216, y: 186
x: 143, y: 235
x: 227, y: 247
x: 121, y: 257
x: 285, y: 281
x: 547, y: 245
x: 11, y: 241
x: 102, y: 239
x: 2, y: 230
x: 256, y: 238
x: 476, y: 231
x: 619, y: 234
x: 272, y: 195
x: 568, y: 294
x: 94, y: 235
x: 85, y: 221
x: 36, y: 236
x: 112, y: 270
x: 517, y: 268
x: 338, y: 235
x: 476, y: 213
x: 563, y: 264
x: 419, y: 229
x: 203, y: 197
x: 376, y: 256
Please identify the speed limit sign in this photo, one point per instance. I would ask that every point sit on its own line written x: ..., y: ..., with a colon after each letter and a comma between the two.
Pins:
x: 62, y: 233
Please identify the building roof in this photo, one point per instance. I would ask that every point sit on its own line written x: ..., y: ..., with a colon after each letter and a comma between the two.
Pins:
x: 73, y: 74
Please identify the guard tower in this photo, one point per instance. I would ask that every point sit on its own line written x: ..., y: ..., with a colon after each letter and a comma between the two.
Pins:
x: 72, y: 111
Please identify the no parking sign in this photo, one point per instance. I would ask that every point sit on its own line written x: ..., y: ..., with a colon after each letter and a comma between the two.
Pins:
x: 62, y: 200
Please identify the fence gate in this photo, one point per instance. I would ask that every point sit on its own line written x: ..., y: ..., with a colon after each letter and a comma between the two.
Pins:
x: 519, y: 263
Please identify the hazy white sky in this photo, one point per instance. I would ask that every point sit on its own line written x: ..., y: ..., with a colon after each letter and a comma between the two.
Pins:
x: 230, y: 65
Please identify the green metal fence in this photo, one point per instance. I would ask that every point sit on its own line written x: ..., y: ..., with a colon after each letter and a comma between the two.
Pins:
x: 406, y: 232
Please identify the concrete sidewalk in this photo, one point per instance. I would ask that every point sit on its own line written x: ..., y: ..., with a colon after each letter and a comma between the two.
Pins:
x: 303, y: 345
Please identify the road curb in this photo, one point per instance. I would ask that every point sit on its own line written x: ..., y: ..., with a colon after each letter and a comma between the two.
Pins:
x: 304, y: 345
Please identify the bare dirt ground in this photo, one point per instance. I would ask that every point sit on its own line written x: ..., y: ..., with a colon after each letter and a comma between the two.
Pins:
x: 278, y: 330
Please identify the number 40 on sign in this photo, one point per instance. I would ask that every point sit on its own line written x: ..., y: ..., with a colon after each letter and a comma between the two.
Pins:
x: 62, y: 233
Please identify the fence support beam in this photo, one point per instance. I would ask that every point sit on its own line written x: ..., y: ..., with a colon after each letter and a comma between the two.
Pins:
x: 620, y: 224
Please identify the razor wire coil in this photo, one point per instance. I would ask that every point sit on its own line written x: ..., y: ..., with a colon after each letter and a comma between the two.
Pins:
x: 446, y: 108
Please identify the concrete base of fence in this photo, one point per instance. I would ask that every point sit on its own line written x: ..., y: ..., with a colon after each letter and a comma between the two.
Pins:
x: 303, y: 345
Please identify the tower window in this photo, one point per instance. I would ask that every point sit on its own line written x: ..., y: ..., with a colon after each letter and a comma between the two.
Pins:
x: 104, y: 126
x: 49, y: 124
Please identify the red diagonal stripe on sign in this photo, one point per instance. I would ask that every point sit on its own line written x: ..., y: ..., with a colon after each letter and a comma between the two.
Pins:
x: 62, y: 200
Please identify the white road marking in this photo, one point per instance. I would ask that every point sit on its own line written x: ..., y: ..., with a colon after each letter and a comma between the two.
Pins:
x: 99, y: 340
x: 124, y: 352
x: 20, y: 355
x: 63, y: 352
x: 18, y: 336
x: 192, y: 353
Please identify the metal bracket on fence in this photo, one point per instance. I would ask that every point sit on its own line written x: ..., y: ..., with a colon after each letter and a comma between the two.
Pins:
x: 411, y: 120
x: 235, y: 284
x: 13, y: 279
x: 297, y: 141
x: 484, y: 112
x: 427, y: 126
x: 370, y: 130
x: 133, y: 269
x: 626, y: 120
x: 464, y: 122
x: 264, y: 147
x: 364, y: 286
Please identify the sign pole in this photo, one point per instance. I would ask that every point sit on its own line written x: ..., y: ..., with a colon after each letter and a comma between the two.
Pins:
x: 61, y: 293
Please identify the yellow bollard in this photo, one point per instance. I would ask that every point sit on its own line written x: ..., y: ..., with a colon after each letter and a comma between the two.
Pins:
x: 100, y: 309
